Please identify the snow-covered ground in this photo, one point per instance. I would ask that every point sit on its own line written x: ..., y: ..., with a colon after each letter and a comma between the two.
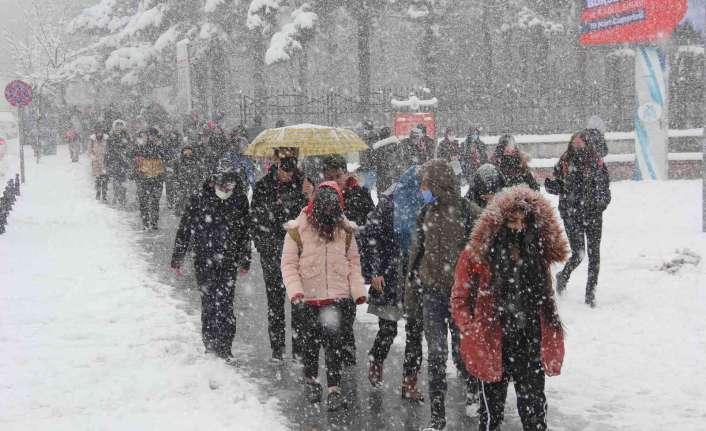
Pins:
x: 636, y: 362
x: 88, y: 338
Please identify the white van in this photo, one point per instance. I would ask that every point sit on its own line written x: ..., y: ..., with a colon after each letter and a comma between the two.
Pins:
x: 8, y: 124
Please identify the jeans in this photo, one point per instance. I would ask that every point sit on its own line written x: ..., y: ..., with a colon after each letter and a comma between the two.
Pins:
x: 437, y: 324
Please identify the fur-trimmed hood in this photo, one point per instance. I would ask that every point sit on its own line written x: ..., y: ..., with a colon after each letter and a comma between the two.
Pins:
x: 555, y: 245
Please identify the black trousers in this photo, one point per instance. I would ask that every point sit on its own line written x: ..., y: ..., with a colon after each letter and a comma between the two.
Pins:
x: 582, y: 233
x: 119, y: 191
x: 217, y: 313
x: 276, y: 296
x: 348, y: 336
x: 531, y: 401
x: 149, y: 191
x: 322, y: 327
x: 414, y: 329
x: 102, y: 187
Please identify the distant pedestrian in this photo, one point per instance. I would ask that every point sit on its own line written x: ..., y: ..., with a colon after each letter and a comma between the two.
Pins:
x: 485, y: 183
x: 505, y: 308
x: 321, y: 271
x: 73, y: 140
x: 189, y: 177
x: 582, y: 182
x: 117, y: 160
x: 96, y: 151
x: 474, y: 153
x: 216, y: 222
x: 150, y: 158
x: 513, y: 163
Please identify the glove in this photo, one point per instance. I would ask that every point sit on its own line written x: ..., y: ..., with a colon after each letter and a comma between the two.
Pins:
x: 177, y: 270
x: 361, y: 300
x: 298, y: 298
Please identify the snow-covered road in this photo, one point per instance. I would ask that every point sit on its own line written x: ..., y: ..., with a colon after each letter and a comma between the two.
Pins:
x: 89, y: 339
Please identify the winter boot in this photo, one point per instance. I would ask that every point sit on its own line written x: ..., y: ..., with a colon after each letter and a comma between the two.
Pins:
x: 410, y: 391
x: 561, y: 282
x: 375, y: 373
x: 438, y: 414
x: 313, y: 391
x: 471, y: 401
x: 334, y: 400
x: 590, y: 299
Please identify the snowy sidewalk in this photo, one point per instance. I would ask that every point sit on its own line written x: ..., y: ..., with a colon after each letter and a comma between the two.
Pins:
x: 88, y: 338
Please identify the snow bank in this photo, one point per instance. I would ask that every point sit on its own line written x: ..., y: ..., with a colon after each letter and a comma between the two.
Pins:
x: 636, y: 361
x: 89, y: 339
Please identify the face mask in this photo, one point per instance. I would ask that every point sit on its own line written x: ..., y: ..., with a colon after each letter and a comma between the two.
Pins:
x: 428, y: 196
x: 221, y: 194
x: 512, y: 160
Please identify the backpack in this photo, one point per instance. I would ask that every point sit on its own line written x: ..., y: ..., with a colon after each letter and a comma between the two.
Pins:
x: 294, y: 234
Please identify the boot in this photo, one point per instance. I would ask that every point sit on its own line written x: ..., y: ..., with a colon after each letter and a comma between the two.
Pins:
x: 590, y: 299
x: 334, y: 400
x: 410, y: 391
x: 375, y: 373
x: 438, y: 414
x: 313, y: 391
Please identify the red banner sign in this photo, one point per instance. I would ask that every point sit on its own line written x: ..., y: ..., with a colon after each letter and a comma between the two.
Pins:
x: 406, y: 121
x: 605, y: 22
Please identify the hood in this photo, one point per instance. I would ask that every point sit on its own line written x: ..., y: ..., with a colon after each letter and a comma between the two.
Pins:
x: 556, y: 247
x: 407, y: 201
x: 326, y: 184
x: 302, y: 221
x: 442, y: 181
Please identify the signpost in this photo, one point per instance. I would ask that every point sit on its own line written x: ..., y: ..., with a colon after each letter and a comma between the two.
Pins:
x: 19, y: 95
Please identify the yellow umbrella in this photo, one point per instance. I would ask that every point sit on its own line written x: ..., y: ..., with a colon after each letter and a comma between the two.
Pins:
x: 310, y: 139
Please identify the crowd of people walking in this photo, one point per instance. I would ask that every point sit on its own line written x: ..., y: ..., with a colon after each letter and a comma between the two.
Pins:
x: 474, y: 270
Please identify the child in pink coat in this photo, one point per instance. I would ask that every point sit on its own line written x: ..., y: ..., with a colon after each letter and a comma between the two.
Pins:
x: 322, y: 275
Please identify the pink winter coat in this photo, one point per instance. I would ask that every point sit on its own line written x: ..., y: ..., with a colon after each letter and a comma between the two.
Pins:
x: 96, y: 151
x: 324, y: 271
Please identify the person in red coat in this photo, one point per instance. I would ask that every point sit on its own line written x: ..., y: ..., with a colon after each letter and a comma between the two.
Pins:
x: 504, y: 305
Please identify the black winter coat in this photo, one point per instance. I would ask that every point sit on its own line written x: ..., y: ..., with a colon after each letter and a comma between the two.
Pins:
x: 583, y: 192
x: 382, y: 256
x: 117, y: 161
x: 274, y: 204
x: 219, y: 232
x: 358, y: 204
x: 188, y: 173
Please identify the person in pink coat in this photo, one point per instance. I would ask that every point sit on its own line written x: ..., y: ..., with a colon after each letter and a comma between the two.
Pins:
x: 322, y: 275
x: 96, y: 151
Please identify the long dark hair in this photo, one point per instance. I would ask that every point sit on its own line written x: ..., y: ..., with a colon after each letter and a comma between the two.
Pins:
x: 571, y: 155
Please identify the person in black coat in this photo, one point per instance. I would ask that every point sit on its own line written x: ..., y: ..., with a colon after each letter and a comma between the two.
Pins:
x: 474, y: 153
x: 188, y: 175
x: 150, y: 160
x: 117, y: 160
x: 582, y: 182
x: 388, y: 232
x: 216, y: 223
x: 277, y: 198
x: 512, y: 163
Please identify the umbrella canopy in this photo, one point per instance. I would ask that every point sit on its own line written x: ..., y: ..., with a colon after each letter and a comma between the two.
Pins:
x: 309, y: 139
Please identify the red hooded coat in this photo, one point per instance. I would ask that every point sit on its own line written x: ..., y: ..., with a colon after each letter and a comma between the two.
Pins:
x: 472, y: 299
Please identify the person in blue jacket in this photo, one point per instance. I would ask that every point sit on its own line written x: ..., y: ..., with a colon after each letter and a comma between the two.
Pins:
x: 388, y: 231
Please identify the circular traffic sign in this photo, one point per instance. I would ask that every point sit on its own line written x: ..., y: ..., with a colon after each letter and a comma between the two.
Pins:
x: 18, y: 94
